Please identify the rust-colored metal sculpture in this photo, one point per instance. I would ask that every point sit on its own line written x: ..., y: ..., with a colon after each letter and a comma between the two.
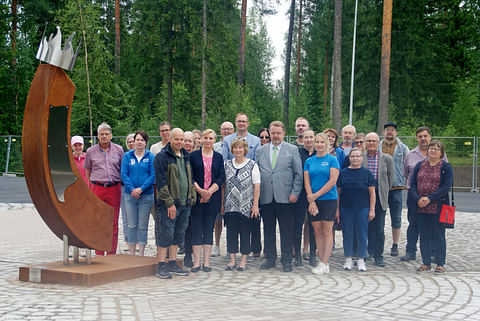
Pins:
x: 60, y: 196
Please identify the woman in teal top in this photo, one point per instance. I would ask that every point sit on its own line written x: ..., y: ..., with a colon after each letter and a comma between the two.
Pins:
x: 320, y: 178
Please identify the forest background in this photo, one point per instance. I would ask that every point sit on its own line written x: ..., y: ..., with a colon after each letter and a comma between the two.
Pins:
x: 181, y: 60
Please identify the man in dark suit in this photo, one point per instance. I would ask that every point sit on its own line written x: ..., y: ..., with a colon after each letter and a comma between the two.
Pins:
x: 281, y: 183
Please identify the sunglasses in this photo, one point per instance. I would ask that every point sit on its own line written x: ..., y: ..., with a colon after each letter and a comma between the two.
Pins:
x: 264, y: 137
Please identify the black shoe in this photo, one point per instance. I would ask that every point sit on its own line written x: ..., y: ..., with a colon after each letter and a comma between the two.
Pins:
x: 268, y: 265
x: 162, y: 271
x: 181, y: 249
x: 241, y: 269
x: 187, y: 262
x: 298, y: 261
x: 369, y: 257
x: 287, y: 268
x: 313, y: 261
x: 380, y: 263
x: 175, y: 269
x: 408, y: 257
x: 394, y: 251
x: 230, y: 268
x: 195, y: 269
x: 207, y: 269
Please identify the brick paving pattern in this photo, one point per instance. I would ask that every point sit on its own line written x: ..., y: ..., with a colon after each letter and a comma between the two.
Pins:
x: 396, y: 292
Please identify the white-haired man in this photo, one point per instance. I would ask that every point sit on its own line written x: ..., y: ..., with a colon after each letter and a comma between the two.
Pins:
x: 348, y: 133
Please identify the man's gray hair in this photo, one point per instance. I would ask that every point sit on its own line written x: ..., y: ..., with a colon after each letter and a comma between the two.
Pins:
x: 104, y: 125
x: 350, y: 127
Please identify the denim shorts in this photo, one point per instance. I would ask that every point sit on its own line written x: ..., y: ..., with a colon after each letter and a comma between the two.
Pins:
x: 171, y: 232
x: 395, y: 205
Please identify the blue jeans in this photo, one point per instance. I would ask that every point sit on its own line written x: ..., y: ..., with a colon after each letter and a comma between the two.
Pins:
x: 376, y: 233
x: 138, y: 214
x: 355, y: 230
x: 395, y: 205
x: 432, y: 235
x: 124, y: 215
x: 171, y: 232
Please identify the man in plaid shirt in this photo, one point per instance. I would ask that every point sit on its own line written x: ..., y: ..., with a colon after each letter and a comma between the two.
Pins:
x: 381, y: 167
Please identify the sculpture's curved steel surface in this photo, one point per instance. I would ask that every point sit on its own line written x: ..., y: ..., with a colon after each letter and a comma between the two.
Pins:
x: 61, y: 197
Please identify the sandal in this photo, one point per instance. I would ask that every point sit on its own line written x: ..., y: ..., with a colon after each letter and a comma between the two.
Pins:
x: 306, y: 256
x: 423, y: 268
x: 440, y: 270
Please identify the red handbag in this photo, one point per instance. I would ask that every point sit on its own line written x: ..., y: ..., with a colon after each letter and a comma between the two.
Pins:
x: 447, y: 215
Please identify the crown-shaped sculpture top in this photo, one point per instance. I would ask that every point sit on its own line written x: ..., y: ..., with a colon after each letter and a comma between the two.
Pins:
x: 51, y: 51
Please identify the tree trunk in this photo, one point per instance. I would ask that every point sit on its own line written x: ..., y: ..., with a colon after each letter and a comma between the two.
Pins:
x: 170, y: 91
x: 89, y: 101
x: 286, y: 93
x: 14, y: 60
x: 299, y: 45
x: 117, y: 37
x: 385, y: 65
x: 337, y: 67
x: 325, y: 85
x: 241, y: 49
x: 204, y: 67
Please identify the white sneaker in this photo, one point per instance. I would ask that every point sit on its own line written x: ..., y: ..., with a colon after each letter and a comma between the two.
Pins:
x: 215, y: 251
x: 348, y: 264
x: 327, y: 268
x: 361, y: 265
x: 319, y: 269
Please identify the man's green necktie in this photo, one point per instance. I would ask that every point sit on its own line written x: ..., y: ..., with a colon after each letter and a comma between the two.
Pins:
x: 274, y: 157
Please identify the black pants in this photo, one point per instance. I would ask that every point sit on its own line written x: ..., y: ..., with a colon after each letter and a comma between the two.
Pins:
x: 284, y: 214
x: 188, y: 239
x: 256, y: 238
x: 237, y: 225
x: 376, y: 232
x: 298, y: 220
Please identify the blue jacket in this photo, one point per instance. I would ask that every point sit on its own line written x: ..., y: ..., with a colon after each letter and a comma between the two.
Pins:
x: 401, y: 151
x: 138, y: 174
x: 218, y: 176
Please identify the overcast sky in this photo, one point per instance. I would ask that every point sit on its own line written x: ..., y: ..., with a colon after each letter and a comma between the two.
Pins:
x: 277, y: 27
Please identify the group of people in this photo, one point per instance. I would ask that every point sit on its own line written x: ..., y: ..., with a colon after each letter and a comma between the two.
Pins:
x: 314, y: 185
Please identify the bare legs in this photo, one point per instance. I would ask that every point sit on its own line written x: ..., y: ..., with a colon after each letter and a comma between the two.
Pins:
x: 197, y: 254
x: 323, y: 239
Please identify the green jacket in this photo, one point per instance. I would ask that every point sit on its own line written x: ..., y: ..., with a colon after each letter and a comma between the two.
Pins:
x: 166, y: 175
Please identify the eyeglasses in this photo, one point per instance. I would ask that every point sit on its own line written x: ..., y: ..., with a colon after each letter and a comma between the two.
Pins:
x: 264, y: 137
x: 372, y: 141
x: 434, y: 149
x: 226, y: 129
x: 241, y: 121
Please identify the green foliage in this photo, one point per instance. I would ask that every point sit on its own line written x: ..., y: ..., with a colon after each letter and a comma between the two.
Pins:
x: 435, y: 64
x: 465, y: 117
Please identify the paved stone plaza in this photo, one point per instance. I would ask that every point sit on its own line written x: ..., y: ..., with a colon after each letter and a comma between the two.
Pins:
x: 396, y: 292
